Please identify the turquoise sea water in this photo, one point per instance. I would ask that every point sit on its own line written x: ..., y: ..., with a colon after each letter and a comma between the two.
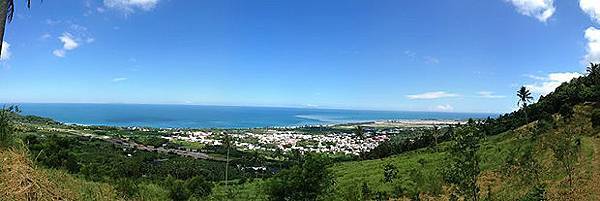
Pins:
x: 193, y: 116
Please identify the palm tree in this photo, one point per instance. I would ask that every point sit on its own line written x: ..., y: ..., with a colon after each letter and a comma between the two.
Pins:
x: 7, y: 9
x: 524, y: 98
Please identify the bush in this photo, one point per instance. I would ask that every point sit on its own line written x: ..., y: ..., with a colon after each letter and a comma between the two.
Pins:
x: 596, y: 118
x: 537, y: 193
x: 177, y: 189
x: 305, y: 181
x: 199, y: 187
x: 566, y: 111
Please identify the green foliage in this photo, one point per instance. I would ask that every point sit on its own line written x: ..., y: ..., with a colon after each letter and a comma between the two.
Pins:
x: 528, y: 167
x: 151, y: 141
x: 566, y: 111
x: 177, y: 189
x: 566, y: 147
x: 305, y: 181
x: 7, y: 128
x: 464, y: 169
x: 596, y: 118
x: 390, y: 173
x: 359, y: 132
x: 199, y: 187
x: 126, y: 188
x: 365, y: 191
x: 55, y: 152
x: 537, y: 193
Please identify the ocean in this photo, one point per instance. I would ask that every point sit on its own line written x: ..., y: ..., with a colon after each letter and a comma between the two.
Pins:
x: 195, y: 116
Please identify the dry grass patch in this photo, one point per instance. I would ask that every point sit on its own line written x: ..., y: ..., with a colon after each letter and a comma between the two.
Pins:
x: 20, y: 180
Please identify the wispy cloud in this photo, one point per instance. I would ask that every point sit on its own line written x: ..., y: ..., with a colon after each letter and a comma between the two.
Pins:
x: 489, y: 94
x: 443, y: 108
x: 547, y: 84
x: 540, y: 9
x: 592, y: 8
x: 130, y: 6
x: 119, y: 79
x: 431, y: 95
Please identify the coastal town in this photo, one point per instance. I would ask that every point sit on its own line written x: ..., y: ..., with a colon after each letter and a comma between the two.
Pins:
x: 341, y: 141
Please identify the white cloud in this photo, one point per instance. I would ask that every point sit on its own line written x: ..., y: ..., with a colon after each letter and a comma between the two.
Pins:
x: 6, y: 53
x: 431, y: 95
x: 129, y: 6
x: 489, y: 94
x: 540, y: 9
x: 59, y: 52
x: 444, y: 108
x: 551, y: 81
x: 68, y: 41
x: 593, y: 45
x: 592, y: 8
x: 119, y: 79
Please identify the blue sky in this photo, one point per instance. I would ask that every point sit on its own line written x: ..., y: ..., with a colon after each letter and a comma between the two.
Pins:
x: 425, y: 55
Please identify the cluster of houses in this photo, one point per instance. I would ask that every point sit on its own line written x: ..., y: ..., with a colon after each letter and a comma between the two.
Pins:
x: 286, y: 141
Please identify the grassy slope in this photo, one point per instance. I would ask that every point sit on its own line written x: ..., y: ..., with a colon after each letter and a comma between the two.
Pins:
x: 505, y: 184
x: 493, y: 152
x: 20, y: 179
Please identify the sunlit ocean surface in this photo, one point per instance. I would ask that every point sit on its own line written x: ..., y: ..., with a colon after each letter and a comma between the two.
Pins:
x: 193, y: 116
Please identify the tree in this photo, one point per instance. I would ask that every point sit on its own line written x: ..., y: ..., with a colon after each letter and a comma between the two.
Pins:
x: 524, y: 97
x: 463, y: 168
x: 593, y: 71
x: 7, y: 9
x: 7, y: 127
x: 306, y: 181
x: 359, y: 132
x: 566, y: 148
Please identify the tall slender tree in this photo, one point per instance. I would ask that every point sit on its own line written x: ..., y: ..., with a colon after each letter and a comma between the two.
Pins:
x: 7, y: 9
x: 525, y: 97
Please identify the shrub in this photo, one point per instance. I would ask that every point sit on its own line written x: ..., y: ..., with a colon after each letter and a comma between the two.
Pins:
x: 305, y: 181
x: 126, y: 188
x: 199, y: 187
x: 177, y: 189
x: 566, y: 111
x: 596, y: 118
x: 389, y: 173
x: 7, y: 128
